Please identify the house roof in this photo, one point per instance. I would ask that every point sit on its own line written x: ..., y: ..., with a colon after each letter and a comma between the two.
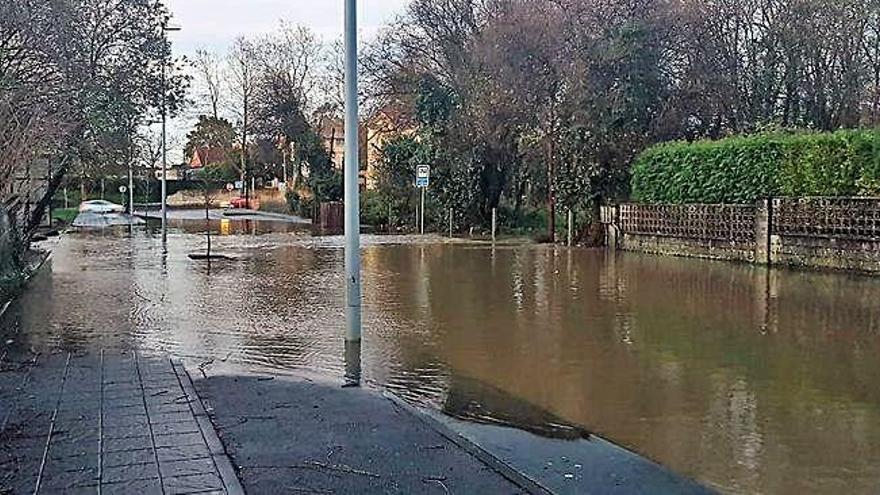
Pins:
x: 205, y: 156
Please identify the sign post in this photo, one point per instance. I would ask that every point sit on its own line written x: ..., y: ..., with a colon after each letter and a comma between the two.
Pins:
x: 122, y: 191
x: 423, y: 180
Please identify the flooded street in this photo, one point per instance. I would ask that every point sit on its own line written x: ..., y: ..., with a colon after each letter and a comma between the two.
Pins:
x: 749, y: 380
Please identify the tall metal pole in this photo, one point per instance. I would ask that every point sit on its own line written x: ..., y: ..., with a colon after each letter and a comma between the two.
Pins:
x: 164, y: 158
x: 165, y: 29
x: 352, y: 167
x: 131, y: 179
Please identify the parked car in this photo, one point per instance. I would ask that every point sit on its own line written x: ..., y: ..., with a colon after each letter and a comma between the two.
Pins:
x: 100, y: 207
x: 244, y: 203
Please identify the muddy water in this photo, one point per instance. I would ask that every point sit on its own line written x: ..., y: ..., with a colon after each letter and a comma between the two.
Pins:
x: 748, y: 380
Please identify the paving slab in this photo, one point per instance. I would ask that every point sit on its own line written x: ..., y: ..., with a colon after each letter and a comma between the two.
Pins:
x: 105, y: 423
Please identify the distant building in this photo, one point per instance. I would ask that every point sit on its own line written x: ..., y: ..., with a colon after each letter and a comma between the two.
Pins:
x: 382, y: 127
x: 205, y: 157
x: 174, y: 173
x: 375, y: 132
x: 332, y: 133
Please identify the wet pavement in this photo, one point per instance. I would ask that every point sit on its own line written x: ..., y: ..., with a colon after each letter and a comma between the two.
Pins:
x: 730, y: 374
x: 106, y: 423
x: 299, y: 434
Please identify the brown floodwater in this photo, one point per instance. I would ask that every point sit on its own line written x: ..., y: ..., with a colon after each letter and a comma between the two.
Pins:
x: 750, y: 380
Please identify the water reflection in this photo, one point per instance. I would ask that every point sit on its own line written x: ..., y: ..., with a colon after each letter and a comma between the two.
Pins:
x: 352, y: 364
x: 748, y: 379
x: 472, y: 400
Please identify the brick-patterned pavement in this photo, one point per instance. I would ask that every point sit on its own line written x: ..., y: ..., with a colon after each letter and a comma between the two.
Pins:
x: 106, y: 424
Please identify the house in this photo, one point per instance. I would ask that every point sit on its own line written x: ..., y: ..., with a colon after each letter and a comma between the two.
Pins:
x: 375, y: 132
x: 173, y: 173
x: 205, y: 157
x: 332, y: 133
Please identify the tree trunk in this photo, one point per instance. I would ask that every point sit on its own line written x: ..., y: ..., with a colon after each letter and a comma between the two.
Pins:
x: 595, y: 235
x: 36, y: 216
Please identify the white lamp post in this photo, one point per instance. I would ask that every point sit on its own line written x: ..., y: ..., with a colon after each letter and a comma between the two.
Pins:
x: 166, y: 28
x: 352, y: 169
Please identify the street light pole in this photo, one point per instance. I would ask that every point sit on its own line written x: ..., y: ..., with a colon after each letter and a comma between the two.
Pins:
x: 131, y: 178
x: 352, y: 168
x: 165, y: 29
x: 164, y: 156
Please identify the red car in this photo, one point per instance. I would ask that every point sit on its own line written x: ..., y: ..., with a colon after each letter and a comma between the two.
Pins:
x: 244, y: 203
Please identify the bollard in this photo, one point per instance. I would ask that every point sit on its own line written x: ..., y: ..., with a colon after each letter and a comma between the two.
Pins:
x: 570, y: 227
x: 450, y: 223
x: 494, y: 223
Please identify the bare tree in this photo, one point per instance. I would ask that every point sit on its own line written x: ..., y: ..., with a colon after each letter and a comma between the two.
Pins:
x: 242, y: 80
x: 208, y: 66
x: 289, y: 60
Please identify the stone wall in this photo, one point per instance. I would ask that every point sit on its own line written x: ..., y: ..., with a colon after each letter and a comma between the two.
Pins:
x: 833, y: 233
x: 725, y: 232
x: 836, y: 233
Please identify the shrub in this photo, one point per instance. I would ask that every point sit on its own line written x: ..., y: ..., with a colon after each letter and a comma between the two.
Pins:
x: 374, y: 210
x: 746, y: 168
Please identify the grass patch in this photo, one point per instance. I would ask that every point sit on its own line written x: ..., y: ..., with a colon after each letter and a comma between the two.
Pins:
x: 64, y: 215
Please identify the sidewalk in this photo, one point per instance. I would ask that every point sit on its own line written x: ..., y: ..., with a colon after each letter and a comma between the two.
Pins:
x: 107, y: 424
x: 127, y: 423
x: 304, y: 435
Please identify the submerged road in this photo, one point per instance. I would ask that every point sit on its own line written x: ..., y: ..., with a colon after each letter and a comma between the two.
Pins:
x: 725, y: 373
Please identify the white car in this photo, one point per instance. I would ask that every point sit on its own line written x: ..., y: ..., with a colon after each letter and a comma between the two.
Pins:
x: 100, y: 207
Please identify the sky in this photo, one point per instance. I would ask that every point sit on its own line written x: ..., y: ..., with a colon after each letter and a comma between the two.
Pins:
x: 214, y: 24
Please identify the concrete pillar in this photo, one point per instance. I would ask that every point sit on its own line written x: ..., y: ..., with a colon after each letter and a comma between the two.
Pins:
x: 763, y: 223
x: 612, y: 228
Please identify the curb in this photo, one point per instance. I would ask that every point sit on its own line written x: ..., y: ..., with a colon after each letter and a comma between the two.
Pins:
x: 215, y: 446
x: 507, y: 471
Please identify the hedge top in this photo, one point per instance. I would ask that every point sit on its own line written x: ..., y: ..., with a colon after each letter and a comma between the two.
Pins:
x: 744, y: 169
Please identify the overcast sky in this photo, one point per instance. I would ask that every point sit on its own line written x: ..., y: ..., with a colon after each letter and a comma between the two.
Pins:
x: 214, y: 24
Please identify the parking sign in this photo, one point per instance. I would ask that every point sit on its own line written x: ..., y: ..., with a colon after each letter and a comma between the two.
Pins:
x: 423, y: 176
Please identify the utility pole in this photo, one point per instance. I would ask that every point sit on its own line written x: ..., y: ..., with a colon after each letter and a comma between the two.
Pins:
x: 245, y: 192
x: 131, y: 177
x: 352, y: 168
x: 165, y: 29
x: 164, y: 156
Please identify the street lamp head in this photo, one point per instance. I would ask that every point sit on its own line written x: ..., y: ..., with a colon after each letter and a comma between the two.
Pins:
x: 168, y: 28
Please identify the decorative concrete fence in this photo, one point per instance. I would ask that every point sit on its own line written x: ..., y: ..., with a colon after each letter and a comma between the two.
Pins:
x: 839, y: 233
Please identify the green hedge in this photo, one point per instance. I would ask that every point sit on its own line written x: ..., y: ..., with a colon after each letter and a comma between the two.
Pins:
x: 746, y: 168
